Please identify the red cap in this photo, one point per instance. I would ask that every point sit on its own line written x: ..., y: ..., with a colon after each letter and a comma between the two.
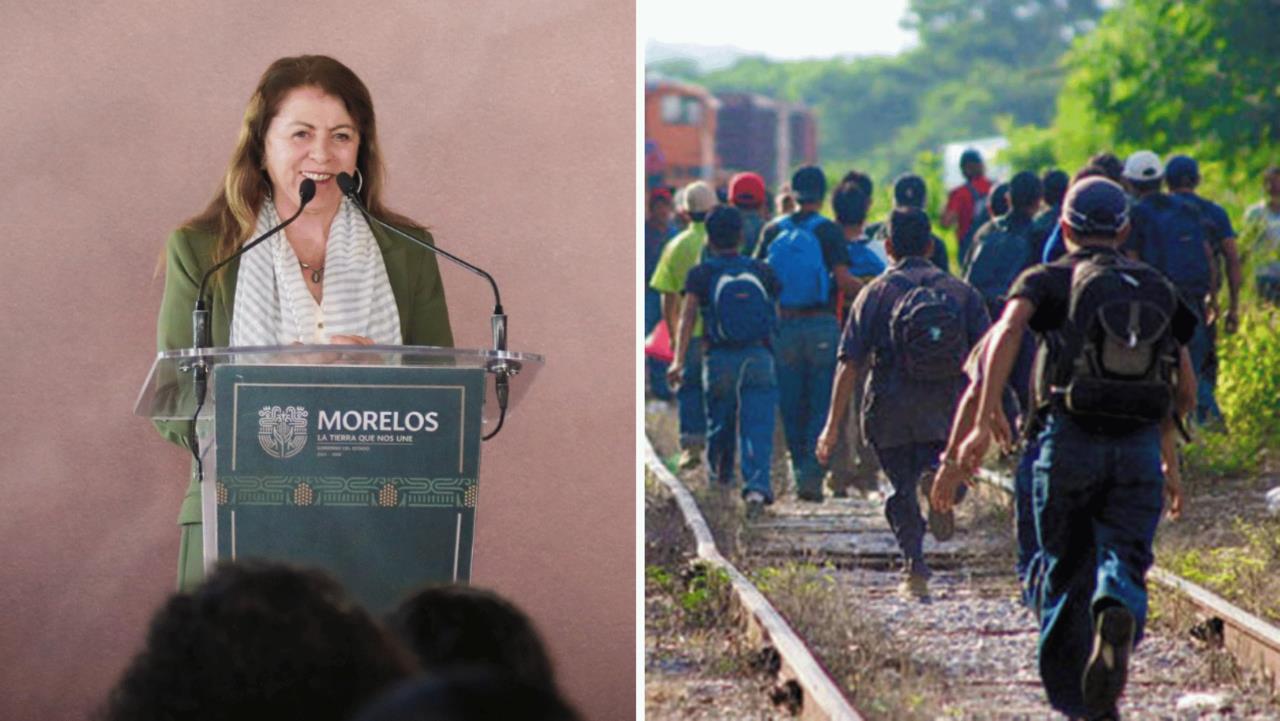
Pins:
x: 746, y: 189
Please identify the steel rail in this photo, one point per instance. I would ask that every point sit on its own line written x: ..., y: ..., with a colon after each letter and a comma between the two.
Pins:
x: 820, y: 697
x: 1254, y: 643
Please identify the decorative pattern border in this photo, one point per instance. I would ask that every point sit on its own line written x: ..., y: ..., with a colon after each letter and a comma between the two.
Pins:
x: 385, y: 492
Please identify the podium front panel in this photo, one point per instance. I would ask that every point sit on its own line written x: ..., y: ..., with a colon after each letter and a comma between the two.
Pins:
x: 368, y: 472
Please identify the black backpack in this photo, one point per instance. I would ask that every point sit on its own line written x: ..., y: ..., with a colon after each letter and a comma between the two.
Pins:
x: 926, y: 332
x: 999, y: 255
x: 1116, y: 354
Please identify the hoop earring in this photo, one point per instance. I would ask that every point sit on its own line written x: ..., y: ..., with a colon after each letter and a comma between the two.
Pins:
x: 359, y: 181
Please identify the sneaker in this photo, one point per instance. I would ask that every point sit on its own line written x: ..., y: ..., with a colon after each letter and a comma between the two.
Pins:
x: 1108, y: 666
x: 915, y: 585
x: 690, y: 458
x: 755, y: 504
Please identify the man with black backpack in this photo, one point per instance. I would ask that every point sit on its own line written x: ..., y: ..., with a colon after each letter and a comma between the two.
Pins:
x: 910, y: 329
x: 737, y: 296
x: 1113, y: 336
x: 1182, y: 175
x: 807, y: 252
x: 1171, y: 235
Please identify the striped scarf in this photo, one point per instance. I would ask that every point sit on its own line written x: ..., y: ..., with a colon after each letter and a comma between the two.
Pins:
x: 274, y: 307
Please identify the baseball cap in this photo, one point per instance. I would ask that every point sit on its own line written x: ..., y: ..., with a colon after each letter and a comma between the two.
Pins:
x: 1143, y: 165
x: 699, y: 197
x: 909, y: 190
x: 724, y: 226
x: 747, y: 190
x: 1180, y: 169
x: 1096, y: 205
x: 809, y: 184
x: 970, y: 155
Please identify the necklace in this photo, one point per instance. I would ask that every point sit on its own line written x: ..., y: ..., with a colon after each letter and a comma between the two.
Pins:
x: 317, y: 272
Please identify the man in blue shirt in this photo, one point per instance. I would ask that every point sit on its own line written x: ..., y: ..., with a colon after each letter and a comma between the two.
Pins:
x: 737, y: 296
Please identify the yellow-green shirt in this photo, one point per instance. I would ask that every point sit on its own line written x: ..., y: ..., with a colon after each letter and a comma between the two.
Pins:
x: 681, y: 254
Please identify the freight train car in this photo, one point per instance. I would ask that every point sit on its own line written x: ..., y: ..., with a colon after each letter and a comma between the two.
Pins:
x: 765, y: 136
x: 679, y: 133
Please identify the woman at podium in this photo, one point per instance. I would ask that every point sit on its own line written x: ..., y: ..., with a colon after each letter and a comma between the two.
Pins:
x: 329, y: 277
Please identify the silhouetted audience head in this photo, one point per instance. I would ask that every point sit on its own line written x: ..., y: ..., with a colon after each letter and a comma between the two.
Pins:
x: 454, y: 625
x: 256, y: 641
x: 469, y: 694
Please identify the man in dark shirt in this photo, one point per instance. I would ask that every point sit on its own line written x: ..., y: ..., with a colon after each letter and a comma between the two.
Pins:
x: 805, y: 345
x: 905, y: 418
x: 909, y: 191
x: 1098, y: 481
x: 738, y: 368
x: 1182, y: 174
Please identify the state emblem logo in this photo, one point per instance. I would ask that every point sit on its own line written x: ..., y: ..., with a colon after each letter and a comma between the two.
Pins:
x: 282, y: 433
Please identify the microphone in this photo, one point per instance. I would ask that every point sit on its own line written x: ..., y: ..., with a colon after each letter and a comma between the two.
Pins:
x: 200, y: 332
x: 200, y: 315
x: 502, y: 369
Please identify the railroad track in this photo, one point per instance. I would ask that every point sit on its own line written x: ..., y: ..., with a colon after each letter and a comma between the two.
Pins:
x: 973, y: 636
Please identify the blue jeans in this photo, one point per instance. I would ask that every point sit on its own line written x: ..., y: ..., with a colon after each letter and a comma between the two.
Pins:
x: 904, y: 466
x: 690, y: 399
x: 1200, y: 349
x: 806, y: 351
x: 1029, y: 561
x: 742, y: 392
x: 1097, y: 502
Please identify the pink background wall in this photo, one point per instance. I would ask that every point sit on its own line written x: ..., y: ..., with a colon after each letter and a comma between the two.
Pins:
x: 509, y: 128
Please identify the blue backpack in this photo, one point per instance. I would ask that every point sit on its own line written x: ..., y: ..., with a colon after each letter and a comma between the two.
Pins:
x: 796, y: 257
x: 740, y: 310
x: 1175, y: 243
x: 1000, y: 255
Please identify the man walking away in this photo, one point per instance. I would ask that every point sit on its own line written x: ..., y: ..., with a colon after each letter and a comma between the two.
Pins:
x: 1055, y: 184
x: 1113, y: 331
x: 682, y: 253
x: 965, y: 200
x: 1170, y: 235
x: 997, y: 205
x: 737, y: 296
x: 746, y: 193
x: 1182, y: 175
x: 657, y: 231
x: 853, y: 463
x: 909, y: 191
x: 808, y: 254
x: 911, y: 329
x: 1262, y: 221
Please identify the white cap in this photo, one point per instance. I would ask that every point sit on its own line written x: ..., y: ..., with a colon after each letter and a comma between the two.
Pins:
x: 1143, y: 165
x: 699, y: 197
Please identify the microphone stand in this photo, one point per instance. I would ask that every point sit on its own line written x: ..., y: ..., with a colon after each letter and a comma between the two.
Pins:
x: 501, y: 368
x: 200, y: 331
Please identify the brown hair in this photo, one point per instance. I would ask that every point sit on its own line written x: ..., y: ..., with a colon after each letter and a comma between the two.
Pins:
x: 233, y: 212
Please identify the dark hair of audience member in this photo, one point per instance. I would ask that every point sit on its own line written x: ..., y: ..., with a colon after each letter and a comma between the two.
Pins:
x: 452, y: 625
x: 850, y: 204
x: 909, y: 233
x: 469, y: 694
x: 862, y: 180
x: 258, y: 640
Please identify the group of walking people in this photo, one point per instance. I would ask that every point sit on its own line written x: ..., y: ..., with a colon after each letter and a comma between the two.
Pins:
x: 875, y: 355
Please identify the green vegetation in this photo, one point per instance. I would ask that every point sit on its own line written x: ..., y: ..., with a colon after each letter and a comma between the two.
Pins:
x: 1245, y: 573
x: 979, y: 64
